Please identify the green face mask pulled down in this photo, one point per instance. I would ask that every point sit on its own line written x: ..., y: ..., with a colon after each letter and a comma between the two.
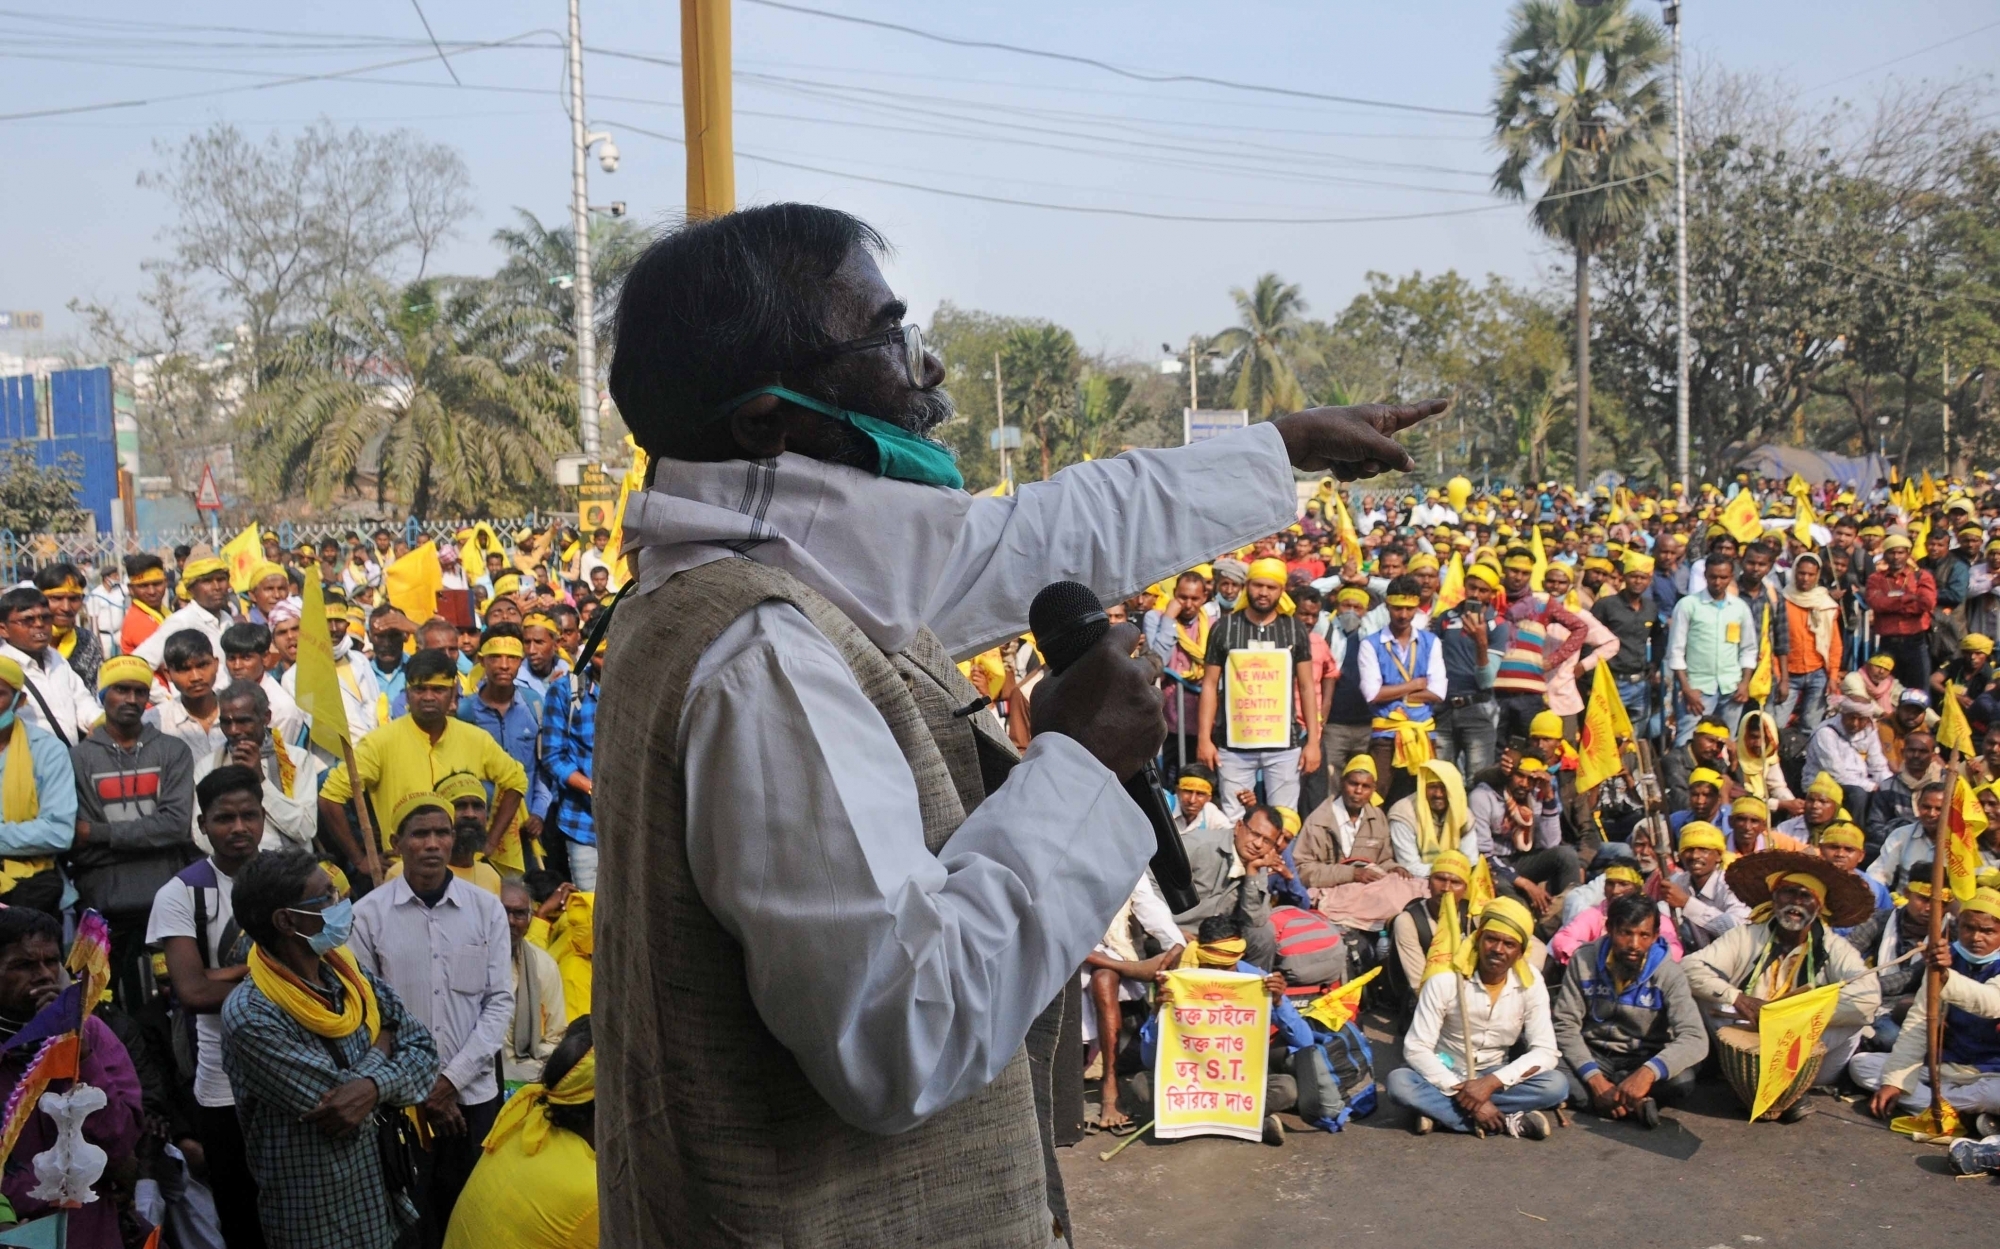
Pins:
x: 899, y: 453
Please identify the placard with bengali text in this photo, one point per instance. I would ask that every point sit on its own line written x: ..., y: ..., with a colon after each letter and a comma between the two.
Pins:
x: 1214, y: 1048
x: 1259, y: 687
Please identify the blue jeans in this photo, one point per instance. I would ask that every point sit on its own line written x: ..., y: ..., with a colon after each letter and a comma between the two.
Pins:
x: 1543, y: 1091
x: 583, y: 866
x: 1724, y: 705
x: 1637, y: 695
x: 1467, y: 736
x: 1808, y: 698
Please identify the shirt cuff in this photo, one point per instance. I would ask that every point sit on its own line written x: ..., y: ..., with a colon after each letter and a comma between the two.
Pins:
x: 1659, y: 1068
x: 1589, y: 1069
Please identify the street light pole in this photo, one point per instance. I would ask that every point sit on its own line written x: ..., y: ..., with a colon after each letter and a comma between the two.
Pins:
x: 1673, y: 19
x: 586, y: 303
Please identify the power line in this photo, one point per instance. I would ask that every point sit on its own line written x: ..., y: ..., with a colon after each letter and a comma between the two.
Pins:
x: 1107, y: 67
x: 1894, y: 60
x: 418, y: 6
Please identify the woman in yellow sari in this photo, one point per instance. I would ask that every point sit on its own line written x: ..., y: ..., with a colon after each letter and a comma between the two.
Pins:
x: 535, y: 1186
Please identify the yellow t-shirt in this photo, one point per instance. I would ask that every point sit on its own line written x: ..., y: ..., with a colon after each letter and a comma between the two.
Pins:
x: 399, y: 759
x: 515, y: 1200
x: 570, y: 942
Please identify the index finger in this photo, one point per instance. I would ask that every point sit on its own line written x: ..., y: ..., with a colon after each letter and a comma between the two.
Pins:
x: 1405, y: 415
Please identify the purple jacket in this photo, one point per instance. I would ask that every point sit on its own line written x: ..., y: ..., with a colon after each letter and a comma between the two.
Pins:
x: 114, y: 1129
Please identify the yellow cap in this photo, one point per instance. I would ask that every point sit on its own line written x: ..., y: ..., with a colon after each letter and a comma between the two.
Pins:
x: 1545, y: 724
x: 123, y: 670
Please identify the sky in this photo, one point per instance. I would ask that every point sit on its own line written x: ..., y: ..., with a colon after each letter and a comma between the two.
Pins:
x: 850, y: 102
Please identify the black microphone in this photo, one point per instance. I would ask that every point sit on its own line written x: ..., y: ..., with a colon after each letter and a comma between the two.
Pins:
x: 1067, y: 621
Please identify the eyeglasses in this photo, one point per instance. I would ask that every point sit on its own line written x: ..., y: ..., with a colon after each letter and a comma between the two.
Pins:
x: 910, y: 336
x: 313, y: 906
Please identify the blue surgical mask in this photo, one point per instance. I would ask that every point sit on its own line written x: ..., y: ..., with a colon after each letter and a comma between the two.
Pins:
x: 7, y: 720
x: 898, y: 452
x: 338, y: 925
x: 1977, y: 960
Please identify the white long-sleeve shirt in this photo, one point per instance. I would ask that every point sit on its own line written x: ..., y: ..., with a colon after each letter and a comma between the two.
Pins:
x: 1711, y: 910
x: 1521, y: 1013
x: 1855, y: 760
x: 72, y: 703
x: 904, y: 981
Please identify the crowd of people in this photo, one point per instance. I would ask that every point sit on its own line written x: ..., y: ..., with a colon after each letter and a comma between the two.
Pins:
x: 311, y: 1040
x: 1782, y: 653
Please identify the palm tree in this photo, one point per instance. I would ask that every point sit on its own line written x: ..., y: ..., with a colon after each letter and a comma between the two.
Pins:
x: 437, y: 382
x: 1268, y: 342
x: 541, y: 267
x: 1041, y: 365
x: 1581, y: 110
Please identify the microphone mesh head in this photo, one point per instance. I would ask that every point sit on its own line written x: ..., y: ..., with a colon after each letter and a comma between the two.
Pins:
x: 1067, y: 620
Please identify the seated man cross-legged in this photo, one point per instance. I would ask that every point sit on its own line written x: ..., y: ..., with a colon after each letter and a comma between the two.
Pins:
x: 1493, y: 982
x: 1969, y: 1054
x: 1629, y: 1031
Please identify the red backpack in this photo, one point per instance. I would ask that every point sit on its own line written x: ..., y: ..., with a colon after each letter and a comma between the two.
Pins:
x: 1310, y: 952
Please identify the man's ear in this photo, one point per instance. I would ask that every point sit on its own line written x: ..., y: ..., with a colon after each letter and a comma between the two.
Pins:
x: 759, y: 427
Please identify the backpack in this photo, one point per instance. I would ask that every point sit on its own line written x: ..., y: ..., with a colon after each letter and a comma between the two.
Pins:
x: 1310, y: 953
x: 199, y: 877
x: 1335, y: 1078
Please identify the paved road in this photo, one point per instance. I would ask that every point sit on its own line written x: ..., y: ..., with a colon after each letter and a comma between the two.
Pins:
x: 1706, y: 1178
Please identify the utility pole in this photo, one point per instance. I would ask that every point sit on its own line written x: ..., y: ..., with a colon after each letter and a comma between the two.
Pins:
x: 1673, y: 18
x: 1947, y: 411
x: 1000, y: 421
x: 586, y: 304
x: 1194, y: 386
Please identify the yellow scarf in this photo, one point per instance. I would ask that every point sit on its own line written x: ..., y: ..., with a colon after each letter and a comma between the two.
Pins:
x: 525, y: 1111
x: 1195, y: 647
x: 65, y: 641
x: 156, y: 614
x: 20, y: 801
x: 1432, y: 840
x: 287, y: 770
x: 306, y: 1005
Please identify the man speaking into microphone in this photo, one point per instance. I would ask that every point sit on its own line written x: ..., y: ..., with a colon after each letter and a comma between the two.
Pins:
x: 835, y: 911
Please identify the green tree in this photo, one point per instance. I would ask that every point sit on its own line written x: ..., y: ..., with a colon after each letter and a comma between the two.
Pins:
x: 1581, y: 111
x: 1040, y: 364
x: 1266, y: 347
x: 540, y: 268
x: 41, y: 498
x: 433, y: 381
x: 968, y: 342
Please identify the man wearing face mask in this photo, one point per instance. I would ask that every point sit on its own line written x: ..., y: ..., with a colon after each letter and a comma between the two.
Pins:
x: 1796, y: 901
x: 1969, y: 1051
x: 802, y: 544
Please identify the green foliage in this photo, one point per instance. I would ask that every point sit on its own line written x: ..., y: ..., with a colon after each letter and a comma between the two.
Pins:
x: 39, y: 499
x: 1266, y: 348
x: 438, y: 382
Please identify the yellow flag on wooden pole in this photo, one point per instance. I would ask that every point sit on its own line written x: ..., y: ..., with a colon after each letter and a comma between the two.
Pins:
x: 242, y: 553
x: 318, y: 683
x: 1965, y: 821
x: 1444, y: 942
x: 1479, y: 888
x: 1802, y: 527
x: 412, y: 582
x: 1598, y: 758
x: 1787, y: 1030
x: 1953, y: 730
x: 1451, y: 590
x: 1338, y: 1007
x: 1740, y: 517
x: 634, y: 480
x: 1541, y: 557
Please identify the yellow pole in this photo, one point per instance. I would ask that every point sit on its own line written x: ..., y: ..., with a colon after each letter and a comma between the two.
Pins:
x: 705, y: 101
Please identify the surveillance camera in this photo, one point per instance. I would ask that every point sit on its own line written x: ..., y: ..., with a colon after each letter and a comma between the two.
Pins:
x: 607, y: 156
x: 618, y: 208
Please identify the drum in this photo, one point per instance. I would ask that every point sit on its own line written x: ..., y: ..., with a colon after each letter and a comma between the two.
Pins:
x: 1740, y: 1053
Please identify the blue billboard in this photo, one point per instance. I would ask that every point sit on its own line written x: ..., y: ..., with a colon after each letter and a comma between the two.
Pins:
x: 67, y: 413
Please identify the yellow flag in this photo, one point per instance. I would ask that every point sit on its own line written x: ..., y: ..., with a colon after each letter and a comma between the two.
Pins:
x: 1797, y: 486
x: 1479, y: 889
x: 1965, y: 820
x: 319, y: 685
x: 412, y: 582
x: 1802, y: 527
x: 1740, y: 518
x: 1451, y: 590
x: 1953, y: 732
x: 1338, y: 1007
x: 242, y: 553
x: 1597, y: 753
x: 1762, y: 679
x: 1927, y: 494
x: 1444, y: 942
x: 1787, y: 1030
x: 1541, y: 557
x: 1920, y: 534
x: 1923, y: 1125
x: 635, y: 479
x: 1350, y: 541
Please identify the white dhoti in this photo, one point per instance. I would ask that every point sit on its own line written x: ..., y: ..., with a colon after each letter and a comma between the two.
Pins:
x: 1969, y: 1093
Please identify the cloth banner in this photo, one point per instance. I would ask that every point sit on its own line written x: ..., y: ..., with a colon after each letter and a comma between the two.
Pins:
x: 242, y: 553
x: 1787, y: 1030
x: 1965, y: 822
x: 1214, y: 1049
x: 1260, y: 699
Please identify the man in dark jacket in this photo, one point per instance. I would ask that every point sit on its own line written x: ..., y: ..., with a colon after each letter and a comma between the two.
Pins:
x: 134, y: 820
x: 1230, y: 869
x: 1626, y: 1024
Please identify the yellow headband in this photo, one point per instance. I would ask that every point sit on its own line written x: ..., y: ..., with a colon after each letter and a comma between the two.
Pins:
x: 1403, y: 600
x: 1628, y: 874
x: 1268, y: 570
x: 71, y: 586
x: 1841, y: 833
x: 1804, y: 880
x: 508, y: 584
x: 124, y: 670
x: 539, y: 620
x: 1922, y: 889
x: 1225, y: 953
x: 460, y: 786
x: 1422, y: 559
x: 423, y: 800
x: 1977, y: 644
x: 1351, y: 594
x: 1884, y: 661
x: 1511, y: 918
x: 524, y: 1113
x: 1751, y: 805
x: 1711, y: 730
x: 152, y: 576
x: 1705, y: 776
x: 440, y: 682
x: 1638, y: 563
x: 196, y: 569
x: 501, y: 646
x: 1701, y: 835
x: 1360, y: 763
x: 265, y: 571
x: 1528, y: 765
x: 1525, y: 563
x: 1484, y: 576
x: 1824, y: 786
x: 1452, y: 863
x: 1985, y: 901
x: 1196, y: 784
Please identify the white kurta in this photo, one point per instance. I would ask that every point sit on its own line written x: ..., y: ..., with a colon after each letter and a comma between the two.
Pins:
x: 904, y: 981
x: 72, y: 703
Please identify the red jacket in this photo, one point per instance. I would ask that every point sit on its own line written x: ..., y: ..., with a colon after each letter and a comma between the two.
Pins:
x: 1902, y: 603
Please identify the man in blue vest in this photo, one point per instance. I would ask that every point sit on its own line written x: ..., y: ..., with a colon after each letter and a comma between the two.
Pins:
x: 1969, y: 1053
x: 1402, y: 676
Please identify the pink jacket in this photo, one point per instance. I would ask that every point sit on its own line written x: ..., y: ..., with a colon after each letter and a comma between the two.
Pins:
x: 1589, y: 926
